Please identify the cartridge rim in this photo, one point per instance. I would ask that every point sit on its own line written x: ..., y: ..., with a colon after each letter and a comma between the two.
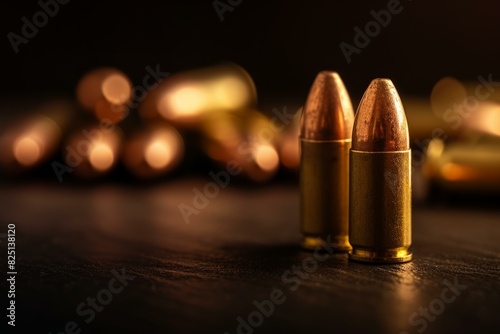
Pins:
x: 398, y: 255
x: 313, y: 243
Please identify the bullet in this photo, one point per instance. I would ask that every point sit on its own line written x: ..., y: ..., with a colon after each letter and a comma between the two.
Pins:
x: 380, y: 178
x: 325, y: 140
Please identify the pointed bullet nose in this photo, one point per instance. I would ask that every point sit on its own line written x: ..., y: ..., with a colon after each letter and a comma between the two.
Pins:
x: 380, y: 124
x: 328, y: 113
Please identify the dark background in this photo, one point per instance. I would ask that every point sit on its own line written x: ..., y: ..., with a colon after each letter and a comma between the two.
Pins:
x: 202, y: 276
x: 282, y: 44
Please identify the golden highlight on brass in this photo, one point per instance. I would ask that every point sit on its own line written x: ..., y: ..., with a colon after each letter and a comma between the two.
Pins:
x: 325, y: 140
x: 380, y: 178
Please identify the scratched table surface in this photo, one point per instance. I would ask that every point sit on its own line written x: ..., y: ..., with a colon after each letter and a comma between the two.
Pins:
x: 240, y: 250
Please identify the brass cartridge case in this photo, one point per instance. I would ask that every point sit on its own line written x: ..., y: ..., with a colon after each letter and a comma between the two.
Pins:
x: 324, y: 188
x: 380, y: 215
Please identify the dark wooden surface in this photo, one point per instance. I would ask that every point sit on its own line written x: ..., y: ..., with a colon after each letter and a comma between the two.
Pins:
x: 200, y: 277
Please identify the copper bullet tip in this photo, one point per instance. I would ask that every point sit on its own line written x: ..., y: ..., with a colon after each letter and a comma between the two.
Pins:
x: 328, y: 113
x: 380, y: 124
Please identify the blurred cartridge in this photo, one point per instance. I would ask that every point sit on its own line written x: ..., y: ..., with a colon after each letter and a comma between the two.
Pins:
x: 325, y: 140
x: 289, y: 151
x: 36, y: 138
x: 153, y: 151
x: 468, y: 166
x: 93, y: 151
x: 105, y: 92
x: 380, y: 178
x: 246, y: 140
x: 184, y: 99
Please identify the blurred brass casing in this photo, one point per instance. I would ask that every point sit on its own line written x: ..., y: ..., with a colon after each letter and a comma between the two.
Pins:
x: 324, y: 191
x: 467, y: 166
x: 380, y: 206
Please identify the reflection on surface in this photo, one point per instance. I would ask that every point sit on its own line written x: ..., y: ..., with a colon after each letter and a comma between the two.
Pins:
x: 402, y: 300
